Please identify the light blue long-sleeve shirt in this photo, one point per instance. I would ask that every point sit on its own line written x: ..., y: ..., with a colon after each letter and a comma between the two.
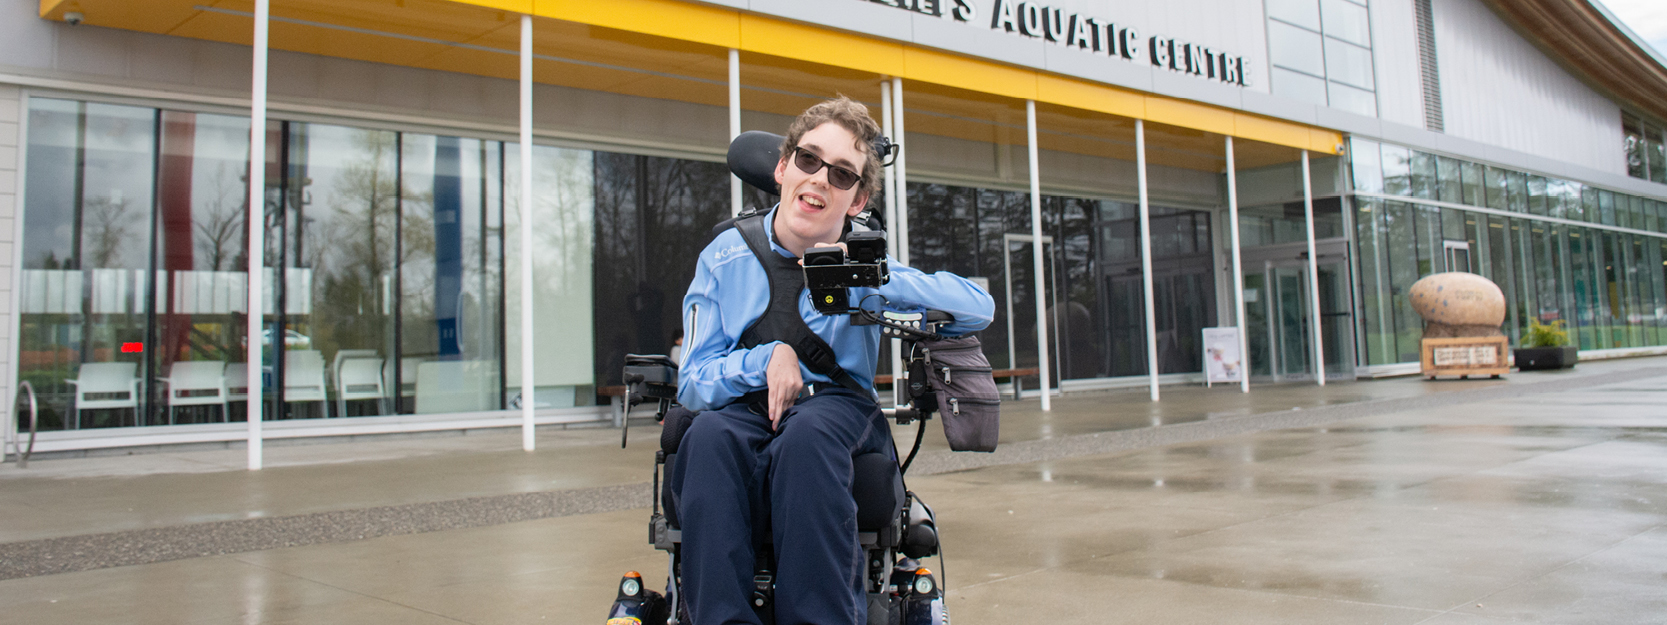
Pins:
x: 731, y: 290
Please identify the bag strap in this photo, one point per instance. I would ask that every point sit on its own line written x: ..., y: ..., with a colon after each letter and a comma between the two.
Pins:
x: 781, y: 320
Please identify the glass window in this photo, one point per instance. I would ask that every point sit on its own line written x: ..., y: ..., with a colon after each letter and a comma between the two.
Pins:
x: 1471, y: 173
x: 1606, y: 207
x: 1589, y: 204
x: 1349, y: 64
x: 1357, y: 101
x: 1423, y: 175
x: 1537, y: 199
x: 1397, y: 170
x: 342, y: 223
x: 1655, y: 153
x: 1304, y: 13
x: 1517, y: 191
x: 201, y: 263
x: 1614, y: 289
x: 1501, y: 268
x: 1367, y: 165
x: 1347, y: 21
x: 1449, y: 181
x: 562, y: 257
x: 448, y: 276
x: 1547, y: 308
x: 1299, y: 86
x: 1429, y: 239
x: 1375, y: 293
x: 1453, y: 226
x: 1495, y: 183
x: 1524, y: 305
x: 90, y: 174
x: 1402, y: 257
x: 1634, y: 145
x: 1583, y: 288
x: 1659, y: 265
x: 1561, y: 199
x: 1294, y: 48
x: 653, y: 217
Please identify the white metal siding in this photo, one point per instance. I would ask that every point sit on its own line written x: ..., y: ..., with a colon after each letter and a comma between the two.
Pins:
x: 1498, y: 89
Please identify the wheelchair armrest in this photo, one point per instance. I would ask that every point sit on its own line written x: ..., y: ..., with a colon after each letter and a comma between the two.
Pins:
x: 651, y: 377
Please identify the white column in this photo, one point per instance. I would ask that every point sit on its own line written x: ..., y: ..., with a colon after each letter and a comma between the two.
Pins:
x: 1238, y: 269
x: 1146, y: 257
x: 888, y: 179
x: 1313, y: 272
x: 1040, y: 293
x: 735, y: 201
x: 901, y: 186
x: 893, y: 236
x: 528, y: 382
x: 257, y: 233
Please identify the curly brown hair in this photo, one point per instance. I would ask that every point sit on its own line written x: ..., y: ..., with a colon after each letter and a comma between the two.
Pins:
x: 853, y: 117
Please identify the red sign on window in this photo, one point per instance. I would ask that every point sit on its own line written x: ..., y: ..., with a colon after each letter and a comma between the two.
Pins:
x: 132, y: 348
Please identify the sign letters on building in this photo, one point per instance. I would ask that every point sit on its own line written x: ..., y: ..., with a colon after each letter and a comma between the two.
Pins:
x: 1089, y: 34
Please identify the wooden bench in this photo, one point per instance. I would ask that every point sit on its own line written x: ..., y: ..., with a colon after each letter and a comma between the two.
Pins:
x: 1011, y: 374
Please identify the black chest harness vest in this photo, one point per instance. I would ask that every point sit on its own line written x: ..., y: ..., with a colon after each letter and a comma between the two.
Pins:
x: 781, y: 320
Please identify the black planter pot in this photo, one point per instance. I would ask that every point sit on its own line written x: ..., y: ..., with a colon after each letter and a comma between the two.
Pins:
x: 1536, y: 358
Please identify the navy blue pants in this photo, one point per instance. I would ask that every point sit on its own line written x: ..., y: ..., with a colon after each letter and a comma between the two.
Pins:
x: 732, y: 474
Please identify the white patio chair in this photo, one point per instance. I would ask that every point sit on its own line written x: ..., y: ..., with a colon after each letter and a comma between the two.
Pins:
x: 304, y: 378
x: 336, y: 371
x: 359, y: 379
x: 100, y: 385
x: 196, y: 383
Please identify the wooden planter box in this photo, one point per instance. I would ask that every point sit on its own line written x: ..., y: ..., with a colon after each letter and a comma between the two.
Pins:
x: 1465, y: 357
x: 1537, y: 358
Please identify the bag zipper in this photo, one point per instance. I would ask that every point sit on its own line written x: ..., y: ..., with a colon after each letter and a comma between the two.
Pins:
x: 955, y: 403
x: 946, y: 369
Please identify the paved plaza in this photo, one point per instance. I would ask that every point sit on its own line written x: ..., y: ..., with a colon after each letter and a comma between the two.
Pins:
x: 1539, y: 498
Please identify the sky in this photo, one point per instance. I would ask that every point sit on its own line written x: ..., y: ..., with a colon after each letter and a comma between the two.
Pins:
x: 1646, y: 18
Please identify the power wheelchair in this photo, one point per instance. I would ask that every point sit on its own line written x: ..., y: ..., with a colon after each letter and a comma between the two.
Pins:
x: 896, y: 530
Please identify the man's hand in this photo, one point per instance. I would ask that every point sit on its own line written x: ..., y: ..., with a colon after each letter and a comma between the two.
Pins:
x: 783, y: 379
x: 840, y: 245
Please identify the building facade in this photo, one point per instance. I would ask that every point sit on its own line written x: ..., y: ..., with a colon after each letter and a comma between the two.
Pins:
x: 1318, y: 156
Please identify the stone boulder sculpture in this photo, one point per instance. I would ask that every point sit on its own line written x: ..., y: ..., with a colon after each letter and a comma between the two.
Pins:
x: 1458, y: 305
x: 1462, y: 313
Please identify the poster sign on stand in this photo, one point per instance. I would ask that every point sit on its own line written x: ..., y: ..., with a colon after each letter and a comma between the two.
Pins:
x: 1222, y: 361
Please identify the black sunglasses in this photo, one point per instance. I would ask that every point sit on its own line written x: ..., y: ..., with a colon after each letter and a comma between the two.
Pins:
x: 840, y: 177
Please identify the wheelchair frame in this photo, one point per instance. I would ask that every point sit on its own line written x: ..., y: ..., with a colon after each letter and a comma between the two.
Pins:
x: 900, y: 591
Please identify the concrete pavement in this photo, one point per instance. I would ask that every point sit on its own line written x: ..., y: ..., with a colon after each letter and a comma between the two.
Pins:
x: 1537, y: 498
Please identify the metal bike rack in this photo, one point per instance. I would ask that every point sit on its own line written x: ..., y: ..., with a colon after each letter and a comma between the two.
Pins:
x: 34, y: 422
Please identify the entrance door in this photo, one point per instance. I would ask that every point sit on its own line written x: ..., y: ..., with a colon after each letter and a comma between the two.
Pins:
x: 1458, y: 255
x: 1279, y: 312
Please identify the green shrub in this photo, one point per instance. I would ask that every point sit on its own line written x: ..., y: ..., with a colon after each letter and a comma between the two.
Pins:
x: 1545, y: 335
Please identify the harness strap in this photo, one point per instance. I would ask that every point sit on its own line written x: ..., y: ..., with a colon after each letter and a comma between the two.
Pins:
x: 781, y: 320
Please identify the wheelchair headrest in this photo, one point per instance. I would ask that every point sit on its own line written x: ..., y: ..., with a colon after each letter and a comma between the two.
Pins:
x: 753, y: 156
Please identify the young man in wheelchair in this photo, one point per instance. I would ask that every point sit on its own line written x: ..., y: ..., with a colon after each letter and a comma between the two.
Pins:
x: 773, y: 444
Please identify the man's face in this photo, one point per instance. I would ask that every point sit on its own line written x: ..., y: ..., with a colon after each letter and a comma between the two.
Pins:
x: 812, y: 210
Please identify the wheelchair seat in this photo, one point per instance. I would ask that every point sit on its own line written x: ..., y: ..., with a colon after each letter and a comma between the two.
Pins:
x: 876, y: 482
x: 876, y: 485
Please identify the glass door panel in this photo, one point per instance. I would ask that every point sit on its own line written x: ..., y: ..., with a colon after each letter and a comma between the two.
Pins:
x: 1279, y: 311
x: 1021, y: 305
